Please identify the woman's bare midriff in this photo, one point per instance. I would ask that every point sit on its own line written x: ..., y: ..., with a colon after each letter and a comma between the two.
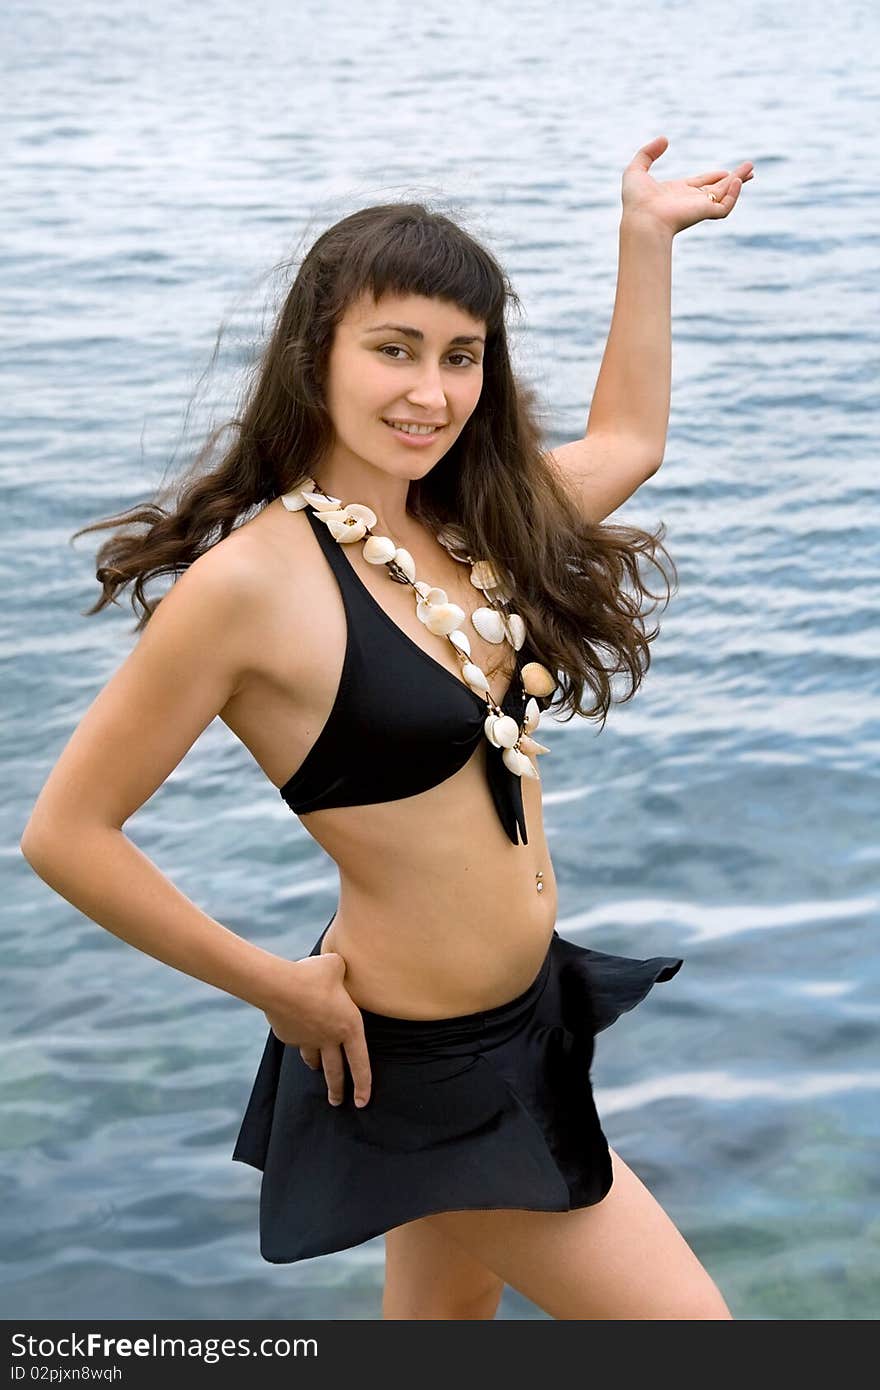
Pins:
x: 454, y: 923
x: 438, y: 911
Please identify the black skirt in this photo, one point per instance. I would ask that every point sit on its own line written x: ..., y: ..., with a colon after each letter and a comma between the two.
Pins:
x: 480, y: 1111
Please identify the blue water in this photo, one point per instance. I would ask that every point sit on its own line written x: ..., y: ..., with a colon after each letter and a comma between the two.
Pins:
x: 159, y: 164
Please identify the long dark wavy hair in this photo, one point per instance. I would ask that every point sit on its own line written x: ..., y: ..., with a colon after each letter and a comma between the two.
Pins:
x: 577, y: 584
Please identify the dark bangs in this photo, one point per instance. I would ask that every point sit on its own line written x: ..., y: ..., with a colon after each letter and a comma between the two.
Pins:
x: 405, y: 249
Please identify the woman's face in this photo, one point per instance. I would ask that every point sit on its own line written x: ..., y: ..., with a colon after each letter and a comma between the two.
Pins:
x: 425, y: 368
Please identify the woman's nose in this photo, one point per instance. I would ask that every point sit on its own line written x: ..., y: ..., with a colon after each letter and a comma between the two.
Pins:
x: 428, y: 390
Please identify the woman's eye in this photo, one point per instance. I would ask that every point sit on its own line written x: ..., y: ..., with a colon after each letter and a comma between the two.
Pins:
x: 395, y: 347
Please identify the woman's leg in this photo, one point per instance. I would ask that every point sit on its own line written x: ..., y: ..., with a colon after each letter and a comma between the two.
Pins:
x: 622, y: 1258
x: 429, y: 1275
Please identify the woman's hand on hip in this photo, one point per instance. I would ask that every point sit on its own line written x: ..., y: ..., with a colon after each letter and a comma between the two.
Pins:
x: 316, y: 1013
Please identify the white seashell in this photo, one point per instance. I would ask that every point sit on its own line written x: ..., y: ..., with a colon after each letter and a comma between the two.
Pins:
x: 517, y: 630
x: 345, y: 531
x: 421, y: 587
x: 297, y: 498
x: 378, y: 550
x: 294, y: 501
x: 331, y: 514
x: 506, y: 731
x: 532, y: 716
x: 483, y: 576
x: 489, y: 624
x: 514, y: 760
x: 488, y: 725
x: 405, y: 561
x: 536, y: 679
x: 460, y: 640
x: 433, y: 598
x: 531, y: 745
x: 518, y: 763
x: 475, y: 678
x: 320, y: 502
x: 362, y: 513
x: 443, y: 618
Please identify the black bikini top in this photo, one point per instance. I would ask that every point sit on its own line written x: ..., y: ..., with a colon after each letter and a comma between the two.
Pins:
x: 401, y: 722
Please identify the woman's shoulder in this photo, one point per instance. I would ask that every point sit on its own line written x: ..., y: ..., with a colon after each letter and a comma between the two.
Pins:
x: 260, y: 551
x: 289, y: 627
x: 270, y: 567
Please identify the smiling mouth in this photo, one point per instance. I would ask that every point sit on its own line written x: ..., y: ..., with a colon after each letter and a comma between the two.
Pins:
x: 420, y: 432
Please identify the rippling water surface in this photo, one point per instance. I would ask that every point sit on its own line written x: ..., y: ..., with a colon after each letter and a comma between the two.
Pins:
x: 159, y: 164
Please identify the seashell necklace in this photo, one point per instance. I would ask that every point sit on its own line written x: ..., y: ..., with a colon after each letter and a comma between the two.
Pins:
x: 354, y: 522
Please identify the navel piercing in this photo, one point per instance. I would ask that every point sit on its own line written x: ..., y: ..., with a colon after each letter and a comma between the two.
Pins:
x: 538, y: 884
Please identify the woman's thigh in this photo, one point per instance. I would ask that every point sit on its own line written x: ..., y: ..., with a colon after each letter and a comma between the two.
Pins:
x: 430, y: 1275
x: 621, y: 1258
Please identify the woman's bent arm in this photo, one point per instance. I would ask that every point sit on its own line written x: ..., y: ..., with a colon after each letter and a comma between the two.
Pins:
x: 188, y: 663
x: 201, y: 642
x: 102, y: 873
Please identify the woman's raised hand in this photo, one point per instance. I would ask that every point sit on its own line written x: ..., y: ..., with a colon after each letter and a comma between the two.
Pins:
x: 678, y: 203
x: 318, y: 1015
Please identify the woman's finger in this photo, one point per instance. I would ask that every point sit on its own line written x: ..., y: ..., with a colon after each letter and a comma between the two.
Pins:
x: 743, y: 172
x: 712, y: 177
x: 359, y: 1065
x: 334, y: 1073
x: 726, y: 200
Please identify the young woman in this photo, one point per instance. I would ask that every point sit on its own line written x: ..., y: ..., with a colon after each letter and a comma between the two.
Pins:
x: 384, y: 583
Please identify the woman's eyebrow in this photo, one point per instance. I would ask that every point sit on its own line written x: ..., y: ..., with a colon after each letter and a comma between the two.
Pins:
x: 419, y: 335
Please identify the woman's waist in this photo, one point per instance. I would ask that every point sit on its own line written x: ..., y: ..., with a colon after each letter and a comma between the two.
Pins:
x: 441, y: 958
x: 438, y: 868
